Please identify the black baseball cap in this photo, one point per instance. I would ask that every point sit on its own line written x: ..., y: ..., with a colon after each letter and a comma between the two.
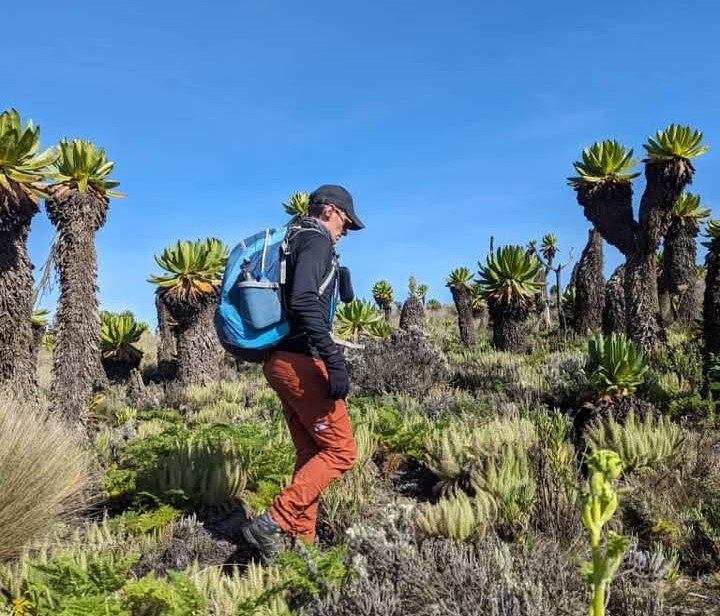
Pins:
x: 331, y: 194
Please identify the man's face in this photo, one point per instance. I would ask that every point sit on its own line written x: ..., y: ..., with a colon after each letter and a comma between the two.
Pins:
x: 336, y: 221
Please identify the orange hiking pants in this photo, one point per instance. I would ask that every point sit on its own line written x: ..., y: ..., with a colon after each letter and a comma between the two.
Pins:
x: 321, y: 432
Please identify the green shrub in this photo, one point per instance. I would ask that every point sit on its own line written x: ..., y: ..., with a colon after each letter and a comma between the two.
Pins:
x: 647, y: 444
x: 457, y: 516
x: 43, y: 474
x: 615, y: 365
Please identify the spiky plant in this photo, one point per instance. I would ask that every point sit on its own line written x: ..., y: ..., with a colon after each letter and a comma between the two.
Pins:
x: 190, y: 290
x: 549, y: 247
x: 711, y: 305
x: 379, y: 329
x: 602, y: 161
x: 119, y: 334
x: 39, y: 321
x: 508, y: 478
x: 23, y: 168
x: 355, y: 317
x: 457, y: 516
x: 297, y: 205
x: 589, y: 287
x: 434, y: 304
x: 508, y: 283
x: 460, y: 282
x: 650, y: 443
x: 680, y: 254
x: 382, y: 293
x: 447, y: 455
x: 616, y: 367
x: 77, y: 205
x: 675, y: 142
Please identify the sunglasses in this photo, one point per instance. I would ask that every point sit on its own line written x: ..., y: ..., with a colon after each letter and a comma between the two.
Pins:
x: 346, y: 220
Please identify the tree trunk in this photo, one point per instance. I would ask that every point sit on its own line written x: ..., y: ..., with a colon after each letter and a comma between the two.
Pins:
x: 466, y: 323
x: 589, y: 286
x: 412, y: 314
x: 18, y: 372
x: 680, y: 269
x: 387, y: 311
x: 614, y: 310
x: 77, y: 370
x: 711, y: 308
x: 608, y: 205
x: 665, y: 182
x: 166, y: 345
x: 199, y: 354
x: 509, y: 330
x: 119, y: 370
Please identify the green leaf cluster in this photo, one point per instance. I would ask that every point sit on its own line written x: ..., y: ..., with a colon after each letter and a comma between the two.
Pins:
x: 382, y: 293
x: 549, y: 246
x: 83, y: 164
x: 298, y: 205
x: 118, y: 334
x: 616, y: 366
x: 209, y: 463
x: 650, y: 443
x: 687, y: 207
x: 508, y: 276
x: 457, y: 516
x: 355, y: 318
x: 460, y: 277
x: 712, y: 231
x: 675, y: 141
x: 39, y: 317
x: 194, y: 268
x: 20, y: 161
x: 604, y: 160
x: 176, y: 595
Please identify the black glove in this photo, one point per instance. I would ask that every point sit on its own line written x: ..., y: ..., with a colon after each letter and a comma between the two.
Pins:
x: 338, y: 380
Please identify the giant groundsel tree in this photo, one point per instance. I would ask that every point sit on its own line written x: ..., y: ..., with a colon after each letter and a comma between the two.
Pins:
x: 77, y: 205
x: 604, y: 190
x: 508, y: 283
x: 189, y: 289
x: 460, y: 282
x: 23, y: 168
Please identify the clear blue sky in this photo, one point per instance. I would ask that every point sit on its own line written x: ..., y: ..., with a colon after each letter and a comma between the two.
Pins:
x: 449, y: 122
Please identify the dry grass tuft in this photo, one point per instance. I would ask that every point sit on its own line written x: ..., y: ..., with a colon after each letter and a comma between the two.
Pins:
x: 44, y: 474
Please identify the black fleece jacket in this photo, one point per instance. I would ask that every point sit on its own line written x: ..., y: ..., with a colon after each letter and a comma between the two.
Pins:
x: 311, y: 259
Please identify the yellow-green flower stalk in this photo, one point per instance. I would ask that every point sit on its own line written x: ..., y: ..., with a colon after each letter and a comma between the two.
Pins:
x: 599, y: 505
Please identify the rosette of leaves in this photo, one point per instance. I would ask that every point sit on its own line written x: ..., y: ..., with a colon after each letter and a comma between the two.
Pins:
x: 297, y: 205
x: 356, y: 318
x: 194, y: 270
x: 675, y: 141
x: 84, y: 166
x: 119, y: 334
x: 382, y: 293
x: 603, y: 161
x: 616, y: 366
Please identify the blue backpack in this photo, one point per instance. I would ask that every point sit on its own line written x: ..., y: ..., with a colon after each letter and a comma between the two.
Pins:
x: 250, y: 318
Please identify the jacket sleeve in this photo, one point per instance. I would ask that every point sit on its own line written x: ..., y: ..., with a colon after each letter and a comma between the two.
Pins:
x: 311, y: 258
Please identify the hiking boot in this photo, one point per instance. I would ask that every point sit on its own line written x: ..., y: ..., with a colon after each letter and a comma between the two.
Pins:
x: 264, y: 534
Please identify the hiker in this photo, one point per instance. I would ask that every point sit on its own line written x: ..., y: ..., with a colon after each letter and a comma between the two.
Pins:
x: 308, y: 373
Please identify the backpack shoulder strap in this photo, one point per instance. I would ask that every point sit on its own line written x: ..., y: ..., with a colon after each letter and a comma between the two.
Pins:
x: 285, y: 250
